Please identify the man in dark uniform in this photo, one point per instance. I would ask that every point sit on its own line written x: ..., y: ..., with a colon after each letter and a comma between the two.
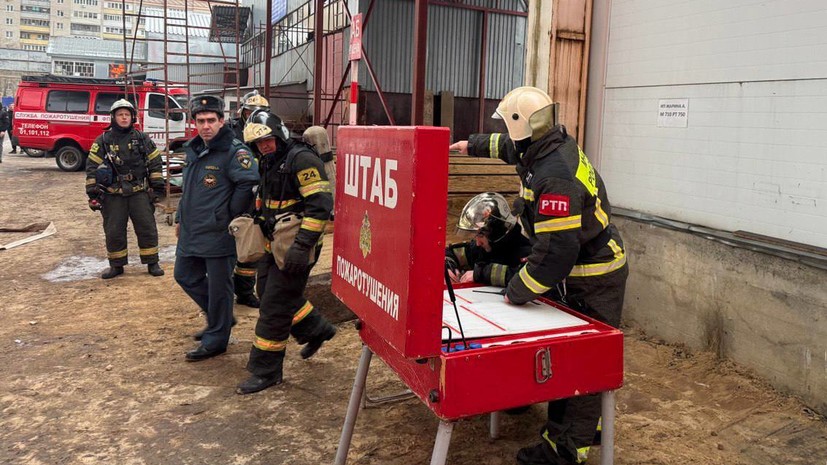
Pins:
x: 220, y: 174
x: 497, y: 251
x: 123, y: 172
x: 568, y: 216
x: 244, y: 274
x: 295, y: 192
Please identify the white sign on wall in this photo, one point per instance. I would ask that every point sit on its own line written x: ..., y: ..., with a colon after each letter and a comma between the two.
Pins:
x: 673, y: 113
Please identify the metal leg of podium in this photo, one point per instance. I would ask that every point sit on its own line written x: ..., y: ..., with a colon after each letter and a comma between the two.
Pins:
x: 607, y: 436
x: 443, y: 440
x: 353, y: 405
x: 494, y: 425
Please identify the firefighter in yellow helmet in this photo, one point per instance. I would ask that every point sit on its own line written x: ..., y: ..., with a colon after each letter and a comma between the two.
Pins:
x: 250, y: 102
x: 567, y: 214
x: 293, y: 206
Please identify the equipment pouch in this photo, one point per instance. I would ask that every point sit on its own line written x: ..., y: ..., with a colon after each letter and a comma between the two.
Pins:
x: 249, y: 240
x: 286, y: 229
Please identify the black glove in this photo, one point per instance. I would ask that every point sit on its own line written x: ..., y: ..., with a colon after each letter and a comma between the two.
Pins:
x: 297, y: 258
x: 451, y: 264
x: 95, y: 205
x: 267, y: 226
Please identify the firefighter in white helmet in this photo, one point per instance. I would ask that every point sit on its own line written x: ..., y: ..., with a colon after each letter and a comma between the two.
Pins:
x: 566, y: 213
x: 498, y: 248
x: 123, y: 180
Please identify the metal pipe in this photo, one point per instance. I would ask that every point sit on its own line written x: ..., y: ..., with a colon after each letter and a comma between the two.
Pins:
x: 317, y: 65
x: 353, y: 405
x: 483, y: 66
x: 607, y: 436
x: 419, y: 62
x: 378, y: 87
x: 442, y: 442
x: 268, y: 48
x: 461, y: 6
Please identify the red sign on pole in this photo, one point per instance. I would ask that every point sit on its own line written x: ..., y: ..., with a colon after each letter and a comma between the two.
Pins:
x: 356, y: 37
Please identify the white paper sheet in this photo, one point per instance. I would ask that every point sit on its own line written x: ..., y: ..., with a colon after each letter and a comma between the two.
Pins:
x: 485, y: 315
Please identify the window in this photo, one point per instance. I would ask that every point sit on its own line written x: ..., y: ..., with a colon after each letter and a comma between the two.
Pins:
x: 60, y: 1
x: 34, y: 22
x: 112, y: 30
x: 112, y: 18
x: 74, y: 68
x: 35, y: 9
x: 85, y: 28
x: 86, y: 2
x: 59, y: 13
x: 104, y: 102
x: 67, y: 101
x: 34, y: 48
x: 156, y: 107
x: 9, y: 21
x: 9, y: 7
x: 9, y: 35
x: 84, y: 14
x: 59, y: 25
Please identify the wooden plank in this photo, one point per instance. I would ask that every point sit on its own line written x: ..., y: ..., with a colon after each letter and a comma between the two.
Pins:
x: 478, y: 184
x: 466, y: 160
x: 502, y: 170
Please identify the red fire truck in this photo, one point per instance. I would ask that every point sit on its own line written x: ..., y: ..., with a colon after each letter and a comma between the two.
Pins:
x: 63, y: 115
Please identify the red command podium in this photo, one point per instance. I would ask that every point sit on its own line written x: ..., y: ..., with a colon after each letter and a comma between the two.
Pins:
x: 388, y: 268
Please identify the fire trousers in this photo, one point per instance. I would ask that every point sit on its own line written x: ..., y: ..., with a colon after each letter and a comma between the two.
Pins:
x: 284, y: 311
x: 117, y: 210
x: 572, y: 423
x: 244, y: 278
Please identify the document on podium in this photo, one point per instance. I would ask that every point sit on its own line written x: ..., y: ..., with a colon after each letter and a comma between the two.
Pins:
x: 484, y: 313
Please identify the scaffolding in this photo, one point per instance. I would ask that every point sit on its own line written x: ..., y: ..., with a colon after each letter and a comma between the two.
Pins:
x: 191, y: 45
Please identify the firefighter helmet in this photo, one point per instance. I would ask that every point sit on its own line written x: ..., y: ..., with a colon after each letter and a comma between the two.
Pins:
x: 316, y: 136
x: 263, y: 124
x: 122, y: 103
x: 251, y: 102
x: 527, y: 112
x: 487, y: 213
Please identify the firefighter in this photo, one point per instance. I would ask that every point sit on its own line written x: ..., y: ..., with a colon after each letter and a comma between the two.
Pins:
x: 244, y: 274
x: 568, y: 218
x: 251, y: 102
x: 498, y: 249
x: 294, y: 191
x: 123, y: 176
x: 220, y: 175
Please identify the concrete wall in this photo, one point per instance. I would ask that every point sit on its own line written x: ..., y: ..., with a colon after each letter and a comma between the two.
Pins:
x: 766, y: 313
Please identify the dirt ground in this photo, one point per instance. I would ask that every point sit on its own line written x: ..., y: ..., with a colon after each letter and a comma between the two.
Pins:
x: 93, y: 373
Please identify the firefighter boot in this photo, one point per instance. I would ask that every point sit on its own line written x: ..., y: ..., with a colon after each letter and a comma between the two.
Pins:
x: 540, y: 454
x: 155, y: 269
x: 315, y: 342
x: 111, y: 272
x: 256, y: 383
x: 249, y: 300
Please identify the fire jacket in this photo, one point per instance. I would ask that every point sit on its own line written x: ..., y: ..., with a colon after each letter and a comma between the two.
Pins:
x: 133, y: 158
x: 294, y: 180
x: 497, y: 267
x: 566, y: 212
x: 218, y: 183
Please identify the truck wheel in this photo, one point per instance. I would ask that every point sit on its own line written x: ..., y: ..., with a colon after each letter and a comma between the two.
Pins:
x: 69, y: 158
x: 35, y: 153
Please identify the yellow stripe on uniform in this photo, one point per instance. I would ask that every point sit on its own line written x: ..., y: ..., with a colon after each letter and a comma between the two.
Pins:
x: 268, y: 345
x: 312, y: 224
x: 303, y: 312
x: 601, y: 215
x: 597, y: 269
x: 558, y: 224
x: 90, y: 181
x: 153, y: 155
x: 148, y: 251
x: 527, y: 194
x: 582, y: 453
x: 118, y: 254
x: 498, y: 275
x: 274, y: 204
x: 532, y: 284
x: 156, y: 176
x: 315, y: 188
x: 494, y: 145
x: 244, y: 271
x: 95, y: 159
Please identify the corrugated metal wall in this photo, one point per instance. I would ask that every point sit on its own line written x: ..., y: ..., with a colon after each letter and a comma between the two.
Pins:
x: 454, y: 37
x: 210, y: 74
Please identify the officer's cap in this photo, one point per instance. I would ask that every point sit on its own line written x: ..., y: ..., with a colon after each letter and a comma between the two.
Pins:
x: 207, y: 103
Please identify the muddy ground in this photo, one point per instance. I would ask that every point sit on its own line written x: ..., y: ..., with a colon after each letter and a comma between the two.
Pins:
x: 93, y: 373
